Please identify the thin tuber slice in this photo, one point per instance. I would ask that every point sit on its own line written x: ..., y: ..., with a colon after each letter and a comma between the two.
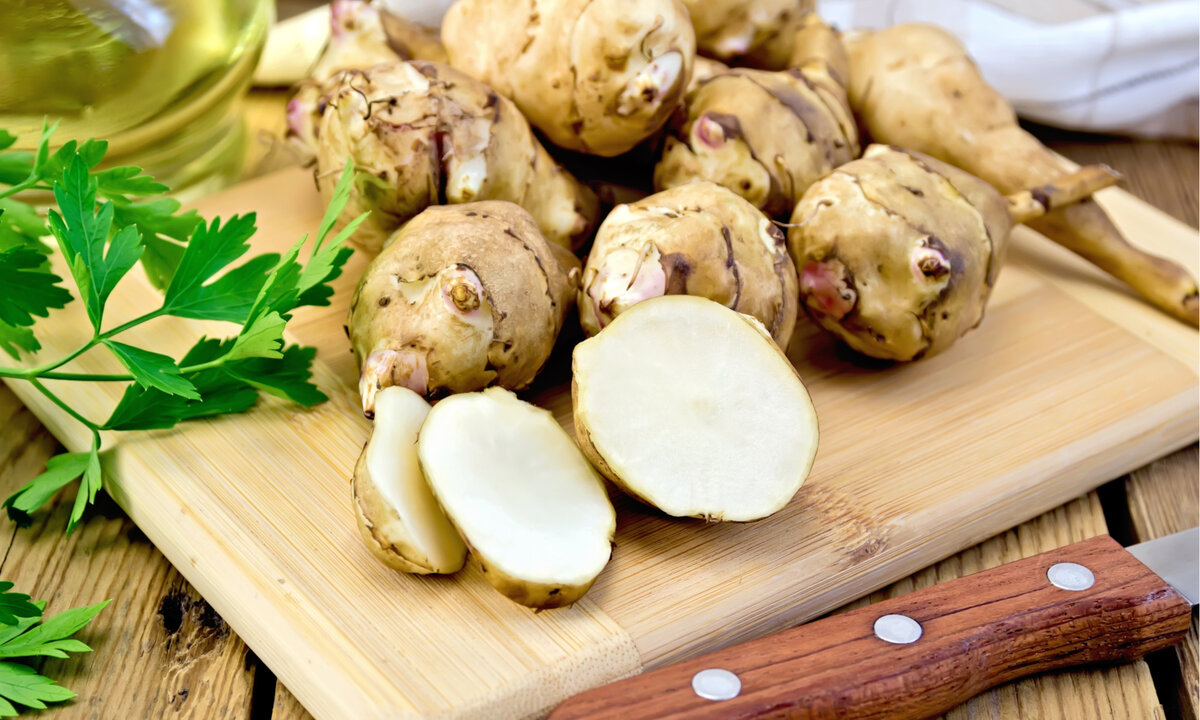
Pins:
x: 690, y: 407
x: 399, y: 518
x: 915, y: 86
x: 532, y: 510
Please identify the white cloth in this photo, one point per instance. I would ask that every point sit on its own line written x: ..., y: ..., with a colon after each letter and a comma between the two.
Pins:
x: 1128, y: 66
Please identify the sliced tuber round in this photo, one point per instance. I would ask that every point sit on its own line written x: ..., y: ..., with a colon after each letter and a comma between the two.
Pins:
x: 532, y: 510
x: 399, y: 518
x: 692, y: 408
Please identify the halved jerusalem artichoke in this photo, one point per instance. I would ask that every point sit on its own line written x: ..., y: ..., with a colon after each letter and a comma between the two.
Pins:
x: 399, y: 518
x: 532, y: 510
x: 692, y: 408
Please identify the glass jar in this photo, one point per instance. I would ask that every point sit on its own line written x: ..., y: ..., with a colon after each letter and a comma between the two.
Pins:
x: 158, y: 79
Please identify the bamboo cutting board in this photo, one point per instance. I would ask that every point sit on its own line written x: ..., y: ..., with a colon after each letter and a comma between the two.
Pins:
x: 1068, y: 383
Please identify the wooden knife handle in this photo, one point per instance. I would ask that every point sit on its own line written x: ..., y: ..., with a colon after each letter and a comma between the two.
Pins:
x: 976, y: 632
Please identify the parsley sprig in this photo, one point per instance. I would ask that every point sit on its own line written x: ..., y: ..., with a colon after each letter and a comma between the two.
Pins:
x: 101, y: 233
x: 24, y: 638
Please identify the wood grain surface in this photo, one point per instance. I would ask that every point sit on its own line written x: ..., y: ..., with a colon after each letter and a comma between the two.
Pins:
x: 975, y: 632
x: 1164, y: 174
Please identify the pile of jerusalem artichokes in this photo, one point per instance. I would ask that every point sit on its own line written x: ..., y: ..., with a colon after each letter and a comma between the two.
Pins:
x: 868, y: 179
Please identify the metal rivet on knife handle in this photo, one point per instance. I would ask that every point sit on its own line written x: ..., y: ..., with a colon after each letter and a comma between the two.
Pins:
x: 1070, y: 576
x: 898, y: 629
x: 716, y: 684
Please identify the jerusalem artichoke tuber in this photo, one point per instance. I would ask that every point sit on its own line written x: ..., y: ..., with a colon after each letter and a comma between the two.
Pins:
x: 898, y: 252
x: 464, y: 296
x: 597, y: 76
x: 422, y: 133
x: 915, y: 86
x: 696, y: 239
x: 766, y: 135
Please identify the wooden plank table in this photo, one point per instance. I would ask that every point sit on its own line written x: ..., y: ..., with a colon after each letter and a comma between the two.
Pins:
x: 160, y: 648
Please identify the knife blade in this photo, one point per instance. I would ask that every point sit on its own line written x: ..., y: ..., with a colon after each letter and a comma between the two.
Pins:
x: 921, y: 654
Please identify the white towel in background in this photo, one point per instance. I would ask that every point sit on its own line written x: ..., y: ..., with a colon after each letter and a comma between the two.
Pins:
x: 1125, y: 66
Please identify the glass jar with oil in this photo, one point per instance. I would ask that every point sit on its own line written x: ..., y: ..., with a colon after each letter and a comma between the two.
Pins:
x: 158, y: 79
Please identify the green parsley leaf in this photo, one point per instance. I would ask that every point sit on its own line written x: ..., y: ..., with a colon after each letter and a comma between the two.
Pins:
x: 23, y: 685
x: 15, y: 340
x: 52, y: 638
x: 152, y: 369
x: 6, y: 139
x: 263, y: 337
x: 127, y: 180
x: 212, y: 248
x: 161, y: 225
x: 88, y: 487
x: 29, y: 637
x: 60, y: 470
x: 15, y: 605
x: 143, y: 408
x: 288, y: 377
x: 21, y: 226
x: 27, y: 290
x: 82, y: 231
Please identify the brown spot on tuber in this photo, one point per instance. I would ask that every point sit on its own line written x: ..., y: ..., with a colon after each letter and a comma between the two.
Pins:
x: 385, y: 301
x: 677, y: 268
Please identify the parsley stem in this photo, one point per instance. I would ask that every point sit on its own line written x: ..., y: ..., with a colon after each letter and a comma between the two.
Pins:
x: 132, y: 323
x: 85, y: 377
x: 59, y: 402
x: 22, y: 186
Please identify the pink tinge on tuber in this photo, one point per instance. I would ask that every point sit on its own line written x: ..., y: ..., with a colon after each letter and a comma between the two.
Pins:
x: 651, y: 85
x: 710, y: 132
x: 384, y: 368
x: 618, y: 287
x: 826, y: 288
x: 299, y: 116
x: 343, y: 15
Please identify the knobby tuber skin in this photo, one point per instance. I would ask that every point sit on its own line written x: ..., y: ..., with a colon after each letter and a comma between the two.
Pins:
x: 765, y: 135
x: 596, y: 76
x: 421, y: 134
x: 898, y: 253
x: 704, y: 68
x: 916, y: 87
x: 357, y: 41
x: 755, y: 33
x: 696, y: 239
x: 462, y: 297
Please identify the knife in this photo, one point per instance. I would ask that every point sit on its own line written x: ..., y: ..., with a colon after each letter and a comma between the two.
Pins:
x: 921, y: 654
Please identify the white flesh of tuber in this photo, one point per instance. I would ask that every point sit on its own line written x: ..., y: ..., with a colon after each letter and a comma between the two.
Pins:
x: 398, y: 516
x: 532, y: 510
x: 692, y: 408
